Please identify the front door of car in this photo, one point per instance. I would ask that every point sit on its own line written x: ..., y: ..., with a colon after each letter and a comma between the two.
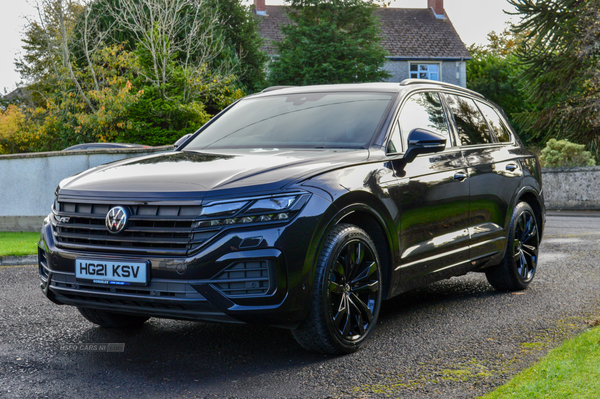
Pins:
x: 494, y: 171
x: 432, y: 195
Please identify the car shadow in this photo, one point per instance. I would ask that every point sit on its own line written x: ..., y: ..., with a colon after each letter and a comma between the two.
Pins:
x: 192, y: 353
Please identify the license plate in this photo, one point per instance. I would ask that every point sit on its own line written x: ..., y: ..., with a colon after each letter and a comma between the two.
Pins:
x: 112, y: 272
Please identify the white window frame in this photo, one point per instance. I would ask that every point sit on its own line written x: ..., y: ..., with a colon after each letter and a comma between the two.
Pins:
x: 429, y: 73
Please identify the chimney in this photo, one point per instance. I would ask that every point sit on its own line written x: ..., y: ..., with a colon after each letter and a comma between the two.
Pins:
x: 261, y: 7
x: 437, y: 6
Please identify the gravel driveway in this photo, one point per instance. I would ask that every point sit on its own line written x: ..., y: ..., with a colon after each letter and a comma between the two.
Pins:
x: 454, y: 339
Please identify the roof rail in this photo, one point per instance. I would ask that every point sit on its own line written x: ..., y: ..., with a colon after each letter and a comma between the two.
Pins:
x: 408, y: 82
x: 273, y: 88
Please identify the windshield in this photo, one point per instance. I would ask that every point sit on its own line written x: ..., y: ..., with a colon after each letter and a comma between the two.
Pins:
x: 313, y: 120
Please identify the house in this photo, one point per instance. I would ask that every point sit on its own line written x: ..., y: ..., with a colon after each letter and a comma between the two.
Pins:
x: 421, y: 42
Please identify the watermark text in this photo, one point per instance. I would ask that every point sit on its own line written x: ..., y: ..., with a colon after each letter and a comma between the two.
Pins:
x: 92, y: 347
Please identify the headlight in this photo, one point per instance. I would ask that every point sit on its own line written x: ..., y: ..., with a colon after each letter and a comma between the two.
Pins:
x: 225, y: 209
x: 247, y: 211
x: 277, y: 204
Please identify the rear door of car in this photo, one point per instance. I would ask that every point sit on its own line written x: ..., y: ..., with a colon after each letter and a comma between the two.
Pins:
x: 494, y: 170
x: 432, y: 194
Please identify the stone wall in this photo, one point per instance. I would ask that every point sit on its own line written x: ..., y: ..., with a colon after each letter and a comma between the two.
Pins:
x: 572, y: 188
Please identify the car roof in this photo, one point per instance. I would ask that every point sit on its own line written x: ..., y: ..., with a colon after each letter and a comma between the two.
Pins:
x: 383, y: 87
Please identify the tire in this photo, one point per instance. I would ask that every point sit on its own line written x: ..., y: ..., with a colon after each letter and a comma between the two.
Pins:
x: 112, y: 320
x: 346, y: 294
x: 517, y: 269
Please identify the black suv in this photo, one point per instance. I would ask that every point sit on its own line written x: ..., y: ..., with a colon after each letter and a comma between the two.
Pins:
x: 304, y: 208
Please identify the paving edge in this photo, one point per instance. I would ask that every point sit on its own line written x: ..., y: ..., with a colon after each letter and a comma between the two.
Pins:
x: 574, y: 213
x: 18, y: 260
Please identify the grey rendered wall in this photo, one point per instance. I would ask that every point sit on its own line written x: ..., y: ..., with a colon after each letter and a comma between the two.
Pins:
x: 399, y: 71
x: 28, y: 181
x: 572, y: 188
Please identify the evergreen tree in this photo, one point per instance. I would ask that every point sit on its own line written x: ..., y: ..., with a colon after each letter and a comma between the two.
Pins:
x: 560, y: 60
x: 239, y: 28
x: 330, y: 41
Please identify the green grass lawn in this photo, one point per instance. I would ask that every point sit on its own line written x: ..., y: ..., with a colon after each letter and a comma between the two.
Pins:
x: 18, y: 244
x: 570, y: 371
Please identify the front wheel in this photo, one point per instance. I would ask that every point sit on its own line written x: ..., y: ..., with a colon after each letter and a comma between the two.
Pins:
x: 517, y: 269
x: 346, y: 294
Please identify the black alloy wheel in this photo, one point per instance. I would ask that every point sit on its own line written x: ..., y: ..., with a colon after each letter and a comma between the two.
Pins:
x: 346, y: 294
x: 525, y: 246
x: 353, y: 290
x: 517, y: 269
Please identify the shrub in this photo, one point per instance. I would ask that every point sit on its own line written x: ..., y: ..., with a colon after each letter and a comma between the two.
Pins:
x: 563, y: 153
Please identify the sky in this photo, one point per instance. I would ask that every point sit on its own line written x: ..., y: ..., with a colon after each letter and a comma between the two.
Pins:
x: 473, y: 19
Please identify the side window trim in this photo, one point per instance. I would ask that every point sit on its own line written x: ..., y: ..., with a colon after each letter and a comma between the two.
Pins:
x: 450, y: 120
x: 395, y: 123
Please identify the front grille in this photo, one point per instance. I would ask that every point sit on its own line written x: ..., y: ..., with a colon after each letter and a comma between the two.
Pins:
x: 167, y: 228
x: 67, y: 283
x: 152, y: 229
x: 244, y: 278
x: 131, y: 303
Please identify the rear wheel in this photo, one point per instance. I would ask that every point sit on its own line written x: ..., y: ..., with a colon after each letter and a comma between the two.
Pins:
x: 346, y: 294
x: 517, y: 269
x: 112, y: 320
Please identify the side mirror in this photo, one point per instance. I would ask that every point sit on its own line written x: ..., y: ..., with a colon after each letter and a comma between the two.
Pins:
x: 422, y: 141
x: 181, y: 141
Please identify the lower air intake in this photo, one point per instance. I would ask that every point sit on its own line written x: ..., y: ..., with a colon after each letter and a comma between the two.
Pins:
x: 244, y: 279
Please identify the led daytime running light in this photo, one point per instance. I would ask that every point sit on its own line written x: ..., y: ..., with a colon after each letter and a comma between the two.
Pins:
x: 242, y: 220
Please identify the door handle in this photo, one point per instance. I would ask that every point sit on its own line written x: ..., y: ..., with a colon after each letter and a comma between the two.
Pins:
x: 511, y: 167
x: 460, y: 176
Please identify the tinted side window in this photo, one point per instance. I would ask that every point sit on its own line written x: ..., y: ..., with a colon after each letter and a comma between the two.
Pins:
x: 472, y: 128
x: 499, y: 129
x: 424, y: 110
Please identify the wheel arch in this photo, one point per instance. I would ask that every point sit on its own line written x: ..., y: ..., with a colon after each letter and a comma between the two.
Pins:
x: 356, y: 210
x: 532, y: 197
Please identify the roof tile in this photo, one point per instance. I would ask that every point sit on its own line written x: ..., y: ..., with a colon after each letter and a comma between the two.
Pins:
x: 406, y: 32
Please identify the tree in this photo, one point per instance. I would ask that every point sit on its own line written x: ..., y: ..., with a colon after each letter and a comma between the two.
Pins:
x: 47, y: 63
x: 563, y: 153
x: 560, y: 68
x: 236, y: 29
x: 152, y: 87
x: 174, y: 36
x: 330, y: 41
x: 12, y: 123
x: 494, y: 72
x: 239, y: 29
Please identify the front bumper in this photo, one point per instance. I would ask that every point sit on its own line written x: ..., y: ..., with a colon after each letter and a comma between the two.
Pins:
x: 266, y: 284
